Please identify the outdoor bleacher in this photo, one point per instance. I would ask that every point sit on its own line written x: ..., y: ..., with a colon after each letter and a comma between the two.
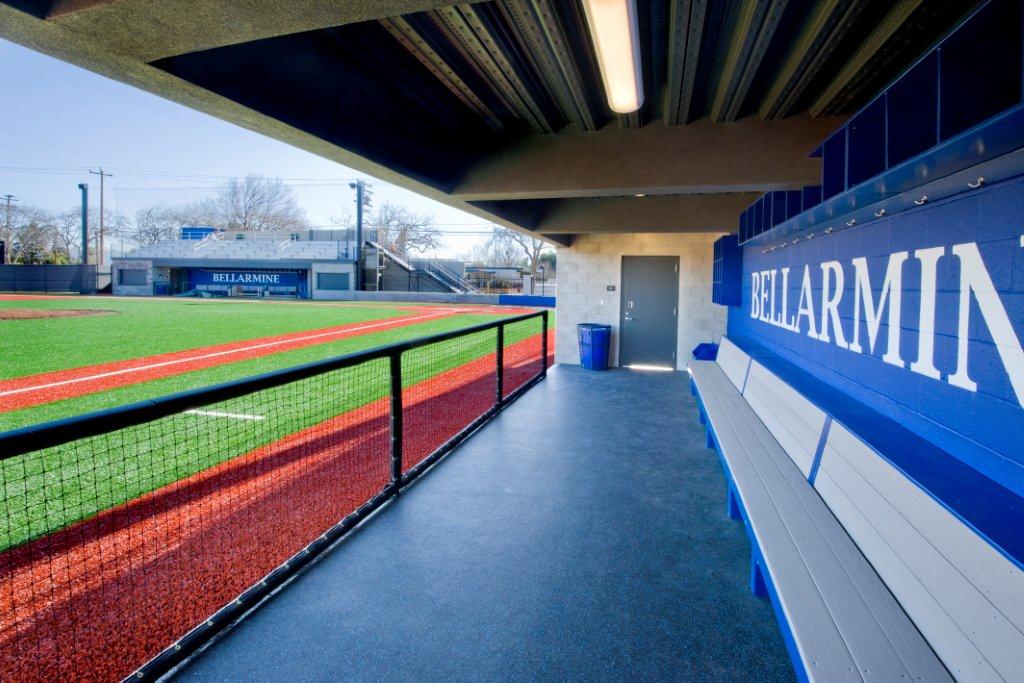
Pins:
x: 244, y: 250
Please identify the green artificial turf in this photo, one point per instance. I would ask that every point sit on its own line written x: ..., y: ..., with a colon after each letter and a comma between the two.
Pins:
x: 46, y: 490
x: 150, y: 326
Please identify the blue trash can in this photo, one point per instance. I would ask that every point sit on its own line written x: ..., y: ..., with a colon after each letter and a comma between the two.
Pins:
x: 594, y: 342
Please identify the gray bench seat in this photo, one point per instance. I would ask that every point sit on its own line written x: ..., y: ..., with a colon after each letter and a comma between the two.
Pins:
x: 840, y: 620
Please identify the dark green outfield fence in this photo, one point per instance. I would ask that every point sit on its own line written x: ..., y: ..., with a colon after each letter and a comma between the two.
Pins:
x: 50, y: 278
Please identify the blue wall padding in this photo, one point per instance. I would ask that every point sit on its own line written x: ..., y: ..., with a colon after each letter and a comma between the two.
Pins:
x: 526, y: 300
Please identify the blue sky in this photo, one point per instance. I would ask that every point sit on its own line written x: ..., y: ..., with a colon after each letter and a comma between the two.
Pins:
x: 57, y: 121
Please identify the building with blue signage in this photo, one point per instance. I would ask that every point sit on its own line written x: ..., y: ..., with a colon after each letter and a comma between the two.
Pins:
x: 237, y: 263
x: 303, y: 264
x: 803, y: 225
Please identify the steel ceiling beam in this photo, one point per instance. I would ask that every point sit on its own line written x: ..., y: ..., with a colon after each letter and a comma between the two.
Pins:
x: 755, y: 27
x: 825, y: 27
x: 630, y: 121
x: 686, y: 29
x: 467, y: 31
x: 537, y: 26
x: 887, y: 27
x: 415, y: 44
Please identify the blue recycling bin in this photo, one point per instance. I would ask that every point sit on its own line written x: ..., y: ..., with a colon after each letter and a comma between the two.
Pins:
x: 595, y: 339
x: 705, y: 351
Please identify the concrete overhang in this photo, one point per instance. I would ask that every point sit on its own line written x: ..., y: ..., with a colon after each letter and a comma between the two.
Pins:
x: 664, y: 213
x: 703, y: 157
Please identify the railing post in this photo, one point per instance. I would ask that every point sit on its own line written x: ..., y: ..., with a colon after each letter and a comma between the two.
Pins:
x: 500, y: 356
x: 396, y: 420
x: 544, y: 344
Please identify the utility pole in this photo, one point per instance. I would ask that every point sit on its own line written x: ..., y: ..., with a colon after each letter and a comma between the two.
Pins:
x: 99, y: 235
x: 362, y: 199
x: 85, y: 223
x: 7, y: 247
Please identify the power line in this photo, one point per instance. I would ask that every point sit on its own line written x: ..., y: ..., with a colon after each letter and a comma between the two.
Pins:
x: 313, y: 182
x: 287, y: 182
x: 44, y: 169
x: 60, y: 146
x: 33, y: 153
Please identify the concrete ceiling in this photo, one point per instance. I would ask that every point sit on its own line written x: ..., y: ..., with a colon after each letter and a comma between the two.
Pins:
x: 497, y: 107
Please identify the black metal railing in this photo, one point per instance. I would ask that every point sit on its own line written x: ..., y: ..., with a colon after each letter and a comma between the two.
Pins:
x: 107, y: 552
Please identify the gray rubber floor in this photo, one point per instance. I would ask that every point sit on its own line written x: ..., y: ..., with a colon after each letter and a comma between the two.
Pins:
x: 582, y: 535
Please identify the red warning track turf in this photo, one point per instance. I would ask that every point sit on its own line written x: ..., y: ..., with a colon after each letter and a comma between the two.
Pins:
x: 24, y: 392
x: 99, y: 598
x: 32, y: 297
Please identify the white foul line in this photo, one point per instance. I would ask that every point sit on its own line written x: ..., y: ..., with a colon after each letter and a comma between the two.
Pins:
x: 217, y: 413
x: 214, y: 354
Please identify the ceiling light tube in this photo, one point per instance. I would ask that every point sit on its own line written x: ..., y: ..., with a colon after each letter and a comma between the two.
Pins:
x: 613, y: 28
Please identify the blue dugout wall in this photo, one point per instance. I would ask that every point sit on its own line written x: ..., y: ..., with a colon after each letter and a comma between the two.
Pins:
x: 903, y: 289
x: 964, y: 254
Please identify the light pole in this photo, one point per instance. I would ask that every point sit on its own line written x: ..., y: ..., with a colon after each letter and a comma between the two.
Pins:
x: 85, y: 223
x: 359, y: 186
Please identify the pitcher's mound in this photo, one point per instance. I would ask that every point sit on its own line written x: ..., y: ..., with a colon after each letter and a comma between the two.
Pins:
x: 33, y: 313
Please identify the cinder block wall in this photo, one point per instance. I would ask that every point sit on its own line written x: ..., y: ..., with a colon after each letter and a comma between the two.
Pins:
x: 344, y: 267
x: 593, y: 262
x: 132, y: 290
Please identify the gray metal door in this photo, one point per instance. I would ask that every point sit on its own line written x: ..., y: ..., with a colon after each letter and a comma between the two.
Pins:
x: 650, y: 300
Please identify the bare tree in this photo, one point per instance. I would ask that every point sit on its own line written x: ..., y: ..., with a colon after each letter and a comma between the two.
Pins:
x: 343, y: 219
x: 402, y: 230
x: 160, y: 222
x: 500, y: 253
x: 31, y: 236
x: 67, y: 234
x: 32, y: 242
x: 256, y: 203
x: 504, y: 242
x: 114, y: 225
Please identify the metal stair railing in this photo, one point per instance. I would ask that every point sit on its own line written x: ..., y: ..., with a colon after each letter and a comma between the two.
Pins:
x: 451, y: 279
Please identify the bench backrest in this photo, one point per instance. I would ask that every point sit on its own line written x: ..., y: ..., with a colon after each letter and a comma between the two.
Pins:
x: 965, y: 597
x: 733, y: 361
x: 795, y: 422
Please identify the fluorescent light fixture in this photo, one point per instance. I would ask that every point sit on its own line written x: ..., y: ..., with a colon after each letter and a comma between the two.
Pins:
x: 654, y: 368
x: 613, y: 28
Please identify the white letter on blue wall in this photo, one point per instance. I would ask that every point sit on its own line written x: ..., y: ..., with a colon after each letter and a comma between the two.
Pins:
x: 806, y: 306
x: 925, y: 363
x: 892, y: 290
x: 974, y: 277
x: 764, y: 296
x: 781, y: 322
x: 755, y: 294
x: 830, y: 304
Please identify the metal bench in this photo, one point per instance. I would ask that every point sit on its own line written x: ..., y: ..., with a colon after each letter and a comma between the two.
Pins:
x: 839, y: 618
